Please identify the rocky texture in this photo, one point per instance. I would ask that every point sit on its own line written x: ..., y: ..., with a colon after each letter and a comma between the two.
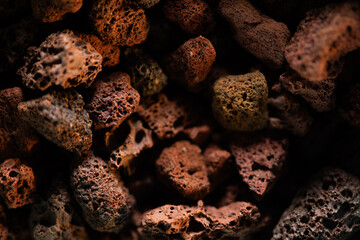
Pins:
x: 112, y: 100
x: 51, y: 11
x: 182, y: 167
x: 328, y: 208
x: 193, y: 16
x: 105, y: 202
x: 191, y: 62
x: 146, y: 74
x: 237, y: 220
x: 260, y: 158
x: 147, y: 3
x: 61, y: 60
x: 288, y: 113
x: 322, y: 38
x: 198, y: 134
x: 60, y: 117
x: 320, y: 94
x: 350, y: 105
x: 240, y: 101
x: 119, y: 22
x: 138, y: 140
x: 165, y: 118
x: 17, y: 138
x: 109, y: 53
x: 5, y: 234
x: 17, y: 183
x: 56, y: 218
x: 257, y: 33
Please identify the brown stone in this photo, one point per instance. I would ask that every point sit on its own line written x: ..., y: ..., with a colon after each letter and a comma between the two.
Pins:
x: 17, y: 183
x: 323, y: 37
x: 112, y: 100
x: 257, y: 33
x: 61, y: 60
x: 182, y: 166
x: 51, y: 11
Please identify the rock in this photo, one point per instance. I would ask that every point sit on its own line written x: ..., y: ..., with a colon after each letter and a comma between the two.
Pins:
x: 60, y: 117
x: 105, y: 202
x: 17, y: 183
x: 119, y: 22
x: 322, y: 38
x: 328, y: 208
x: 52, y: 11
x: 255, y: 32
x: 182, y: 166
x: 191, y: 62
x: 195, y: 17
x: 350, y: 105
x: 61, y: 60
x: 147, y: 3
x: 112, y: 100
x: 240, y: 102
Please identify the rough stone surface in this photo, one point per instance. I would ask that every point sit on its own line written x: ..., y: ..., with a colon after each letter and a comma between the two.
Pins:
x: 5, y: 234
x: 119, y: 22
x: 320, y: 94
x: 191, y: 62
x: 147, y: 3
x: 237, y: 220
x: 61, y: 60
x: 51, y: 11
x: 328, y: 208
x: 165, y: 118
x: 56, y: 218
x: 182, y: 166
x: 17, y: 138
x: 322, y: 38
x: 240, y: 102
x: 60, y: 117
x: 112, y: 100
x: 193, y: 16
x: 259, y: 158
x: 109, y: 53
x: 17, y: 183
x: 198, y: 134
x: 138, y: 140
x: 257, y: 33
x: 289, y: 114
x: 350, y: 105
x: 105, y: 202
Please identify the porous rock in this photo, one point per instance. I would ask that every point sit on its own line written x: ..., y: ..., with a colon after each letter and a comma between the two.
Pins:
x: 182, y: 166
x: 193, y: 16
x: 322, y: 38
x: 119, y: 22
x: 240, y: 102
x: 328, y: 208
x: 260, y: 35
x: 350, y: 105
x: 60, y: 117
x: 112, y: 100
x: 191, y: 62
x: 17, y: 183
x: 105, y: 202
x: 147, y: 3
x: 260, y: 158
x: 52, y: 11
x: 61, y: 60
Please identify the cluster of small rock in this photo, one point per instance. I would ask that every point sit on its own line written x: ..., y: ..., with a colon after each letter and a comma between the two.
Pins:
x: 179, y: 119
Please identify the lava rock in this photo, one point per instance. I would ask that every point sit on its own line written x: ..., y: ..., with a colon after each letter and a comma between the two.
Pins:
x: 60, y: 117
x: 119, y: 22
x: 328, y: 208
x: 350, y: 105
x: 147, y: 3
x: 52, y: 11
x: 193, y: 16
x: 257, y: 33
x: 61, y: 60
x: 191, y: 62
x: 17, y: 183
x: 182, y: 166
x: 240, y: 102
x: 112, y: 100
x: 323, y: 37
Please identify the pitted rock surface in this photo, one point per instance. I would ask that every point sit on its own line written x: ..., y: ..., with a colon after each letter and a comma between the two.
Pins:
x: 52, y: 11
x: 60, y: 117
x: 61, y: 60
